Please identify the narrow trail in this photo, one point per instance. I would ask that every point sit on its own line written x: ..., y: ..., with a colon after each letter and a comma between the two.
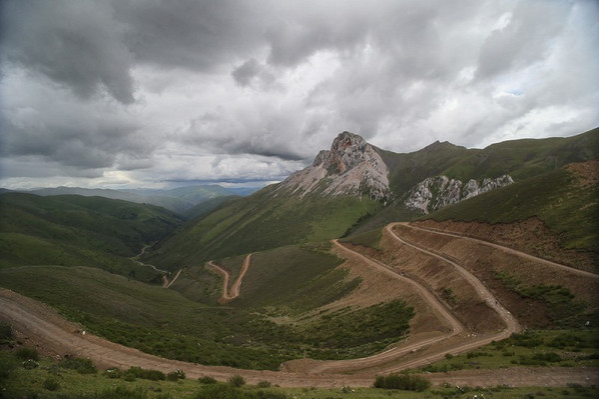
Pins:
x: 510, y: 321
x: 136, y: 260
x: 505, y: 249
x: 166, y: 283
x: 235, y: 288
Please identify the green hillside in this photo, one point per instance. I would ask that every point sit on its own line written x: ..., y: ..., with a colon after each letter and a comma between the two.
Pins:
x: 208, y: 206
x: 519, y: 158
x: 265, y: 220
x: 561, y: 198
x: 259, y: 222
x: 186, y: 323
x: 75, y: 230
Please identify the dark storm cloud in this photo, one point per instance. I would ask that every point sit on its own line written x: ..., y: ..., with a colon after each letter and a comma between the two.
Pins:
x: 244, y: 89
x: 76, y: 44
x: 198, y: 35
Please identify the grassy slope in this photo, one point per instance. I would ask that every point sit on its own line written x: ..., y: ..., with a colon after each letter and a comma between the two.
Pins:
x: 520, y: 159
x: 555, y: 197
x: 241, y: 334
x: 76, y: 230
x: 20, y: 383
x: 257, y: 223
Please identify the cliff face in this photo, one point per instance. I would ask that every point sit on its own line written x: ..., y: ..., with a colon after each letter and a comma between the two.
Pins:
x: 437, y: 192
x: 350, y: 167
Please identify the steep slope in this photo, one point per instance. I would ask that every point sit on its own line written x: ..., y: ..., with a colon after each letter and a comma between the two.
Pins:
x: 355, y: 187
x: 76, y: 230
x: 555, y: 214
x: 442, y: 173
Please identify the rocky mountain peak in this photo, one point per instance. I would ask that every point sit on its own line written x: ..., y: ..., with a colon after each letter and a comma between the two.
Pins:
x: 350, y: 167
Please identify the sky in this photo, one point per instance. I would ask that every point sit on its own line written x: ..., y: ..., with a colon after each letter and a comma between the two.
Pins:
x: 164, y: 93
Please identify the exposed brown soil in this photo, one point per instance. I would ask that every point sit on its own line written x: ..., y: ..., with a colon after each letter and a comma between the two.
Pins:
x: 485, y: 260
x: 531, y: 236
x: 414, y: 264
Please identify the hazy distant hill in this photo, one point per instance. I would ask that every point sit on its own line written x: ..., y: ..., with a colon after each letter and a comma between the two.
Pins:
x: 178, y: 200
x: 355, y: 187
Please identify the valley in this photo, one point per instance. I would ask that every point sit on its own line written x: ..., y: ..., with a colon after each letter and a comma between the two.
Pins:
x: 364, y: 264
x: 46, y: 329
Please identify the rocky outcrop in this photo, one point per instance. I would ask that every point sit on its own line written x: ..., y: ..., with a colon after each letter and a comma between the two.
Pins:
x: 437, y: 192
x: 350, y: 167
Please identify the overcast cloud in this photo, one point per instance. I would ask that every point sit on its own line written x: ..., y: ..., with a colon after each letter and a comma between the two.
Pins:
x: 130, y: 93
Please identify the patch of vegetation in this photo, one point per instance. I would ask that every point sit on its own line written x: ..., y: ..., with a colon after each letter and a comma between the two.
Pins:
x: 25, y: 353
x: 530, y: 348
x: 79, y: 364
x: 258, y: 223
x: 72, y: 385
x: 7, y: 333
x: 569, y: 210
x: 406, y: 382
x: 562, y: 308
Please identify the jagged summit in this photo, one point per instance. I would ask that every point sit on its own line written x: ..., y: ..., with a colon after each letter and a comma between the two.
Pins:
x: 350, y: 167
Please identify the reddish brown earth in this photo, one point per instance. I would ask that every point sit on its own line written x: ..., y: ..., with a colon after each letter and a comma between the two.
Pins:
x: 414, y: 263
x: 531, y: 236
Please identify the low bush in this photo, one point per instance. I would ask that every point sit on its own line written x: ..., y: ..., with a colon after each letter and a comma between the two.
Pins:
x: 207, y: 380
x: 81, y: 365
x: 176, y: 375
x: 237, y: 381
x: 402, y: 381
x: 137, y: 372
x: 112, y: 372
x: 25, y: 353
x: 7, y: 334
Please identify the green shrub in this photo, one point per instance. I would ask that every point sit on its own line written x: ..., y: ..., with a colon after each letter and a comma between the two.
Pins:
x: 263, y: 384
x: 112, y: 372
x: 6, y: 332
x: 237, y: 381
x: 176, y: 375
x: 51, y: 384
x: 25, y: 353
x: 218, y: 391
x: 207, y: 380
x: 402, y: 381
x: 81, y: 365
x: 138, y: 372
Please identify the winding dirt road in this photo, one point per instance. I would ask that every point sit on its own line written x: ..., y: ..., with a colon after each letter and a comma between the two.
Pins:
x: 510, y: 321
x: 39, y: 324
x: 235, y: 289
x: 504, y: 249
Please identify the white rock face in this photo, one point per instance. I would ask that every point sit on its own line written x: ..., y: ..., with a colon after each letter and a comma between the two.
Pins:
x: 437, y: 192
x: 350, y: 167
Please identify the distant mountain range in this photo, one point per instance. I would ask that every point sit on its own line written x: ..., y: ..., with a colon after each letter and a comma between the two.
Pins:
x: 179, y: 200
